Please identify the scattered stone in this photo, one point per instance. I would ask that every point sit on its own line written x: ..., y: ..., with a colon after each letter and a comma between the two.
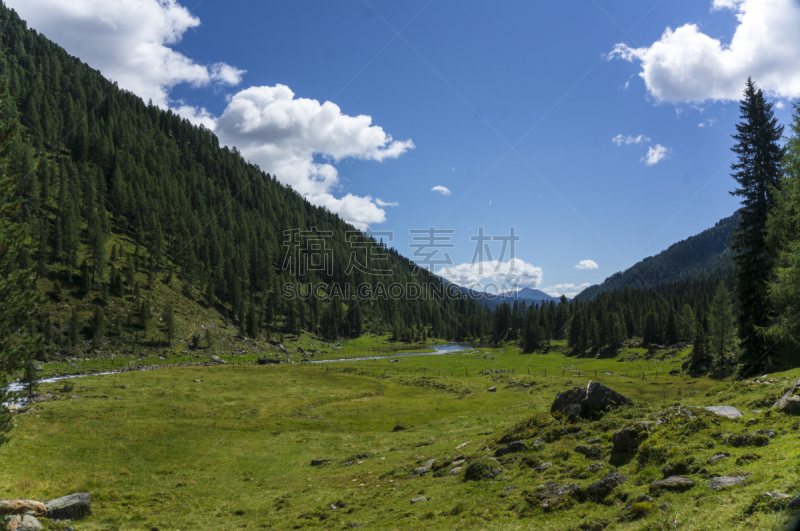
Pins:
x: 198, y: 381
x: 541, y: 467
x: 460, y: 446
x: 455, y: 470
x: 483, y: 468
x: 747, y: 458
x: 725, y: 411
x: 600, y: 489
x: 419, y: 499
x: 590, y: 452
x: 717, y: 457
x: 537, y: 443
x: 794, y: 504
x: 768, y: 433
x: 22, y: 507
x: 672, y: 484
x: 638, y: 508
x: 23, y: 523
x: 511, y: 448
x: 318, y: 462
x: 587, y: 402
x: 400, y: 427
x: 552, y: 496
x: 789, y: 403
x: 424, y: 468
x: 768, y: 502
x: 742, y: 439
x: 594, y: 440
x: 492, y: 389
x: 726, y: 481
x: 72, y: 507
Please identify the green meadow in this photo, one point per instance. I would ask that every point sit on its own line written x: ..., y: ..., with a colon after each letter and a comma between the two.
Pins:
x: 230, y: 446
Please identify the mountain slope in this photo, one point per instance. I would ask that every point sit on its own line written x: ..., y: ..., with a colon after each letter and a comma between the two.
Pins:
x: 704, y: 255
x: 525, y: 295
x: 120, y: 196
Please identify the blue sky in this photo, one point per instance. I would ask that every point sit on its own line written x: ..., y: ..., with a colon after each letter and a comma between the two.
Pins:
x: 534, y: 115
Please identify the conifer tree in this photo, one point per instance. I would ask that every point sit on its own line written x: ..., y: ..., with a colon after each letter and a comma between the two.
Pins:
x: 757, y: 172
x: 721, y: 323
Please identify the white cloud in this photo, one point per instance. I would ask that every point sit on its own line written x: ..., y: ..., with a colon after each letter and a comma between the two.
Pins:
x: 441, y: 189
x: 780, y: 105
x: 707, y: 123
x: 686, y: 65
x: 656, y: 154
x: 570, y: 290
x: 627, y: 140
x: 494, y: 276
x: 129, y: 42
x: 587, y: 264
x: 283, y: 134
x: 382, y: 203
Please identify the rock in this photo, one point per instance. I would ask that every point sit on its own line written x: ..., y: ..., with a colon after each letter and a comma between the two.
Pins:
x: 215, y: 358
x: 717, y: 457
x: 600, y: 489
x: 672, y: 484
x: 22, y: 507
x: 72, y: 507
x: 39, y: 368
x: 198, y: 381
x: 626, y: 442
x: 23, y: 523
x: 794, y: 504
x: 537, y: 443
x: 587, y: 402
x: 318, y: 462
x: 399, y: 427
x: 541, y: 467
x: 789, y: 403
x: 725, y: 411
x: 419, y: 499
x: 424, y: 468
x: 483, y: 468
x: 552, y: 496
x: 511, y: 448
x: 742, y: 439
x: 455, y: 470
x: 590, y: 452
x: 726, y: 481
x: 492, y: 389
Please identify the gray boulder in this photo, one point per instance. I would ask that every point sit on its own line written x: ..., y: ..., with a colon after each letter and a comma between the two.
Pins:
x: 511, y: 448
x: 424, y: 468
x: 72, y: 507
x: 790, y: 402
x: 600, y: 489
x: 587, y: 402
x: 23, y: 523
x: 492, y: 389
x: 672, y: 484
x: 725, y: 411
x: 726, y: 481
x: 717, y: 457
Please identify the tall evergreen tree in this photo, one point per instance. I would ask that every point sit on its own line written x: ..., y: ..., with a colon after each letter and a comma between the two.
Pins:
x: 757, y: 172
x: 721, y: 322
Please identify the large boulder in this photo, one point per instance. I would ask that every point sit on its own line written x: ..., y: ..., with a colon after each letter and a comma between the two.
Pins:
x: 511, y: 448
x: 790, y: 402
x: 600, y: 489
x: 725, y: 411
x: 727, y: 481
x: 672, y: 484
x: 72, y: 507
x: 22, y: 507
x: 587, y: 402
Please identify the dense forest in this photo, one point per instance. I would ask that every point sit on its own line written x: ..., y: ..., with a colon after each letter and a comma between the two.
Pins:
x: 118, y: 195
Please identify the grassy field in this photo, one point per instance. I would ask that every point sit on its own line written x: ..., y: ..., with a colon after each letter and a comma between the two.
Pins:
x: 162, y: 450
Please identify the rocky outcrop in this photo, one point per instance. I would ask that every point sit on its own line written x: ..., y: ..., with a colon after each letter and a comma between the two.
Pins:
x: 626, y: 442
x: 23, y: 523
x: 726, y: 481
x: 725, y: 411
x: 600, y: 489
x: 72, y: 507
x: 671, y: 484
x: 587, y: 402
x: 424, y: 468
x: 789, y: 403
x: 511, y: 448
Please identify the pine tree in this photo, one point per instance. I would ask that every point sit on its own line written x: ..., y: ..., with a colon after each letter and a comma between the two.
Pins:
x: 700, y: 361
x: 757, y: 172
x: 721, y: 322
x: 169, y: 323
x: 30, y: 380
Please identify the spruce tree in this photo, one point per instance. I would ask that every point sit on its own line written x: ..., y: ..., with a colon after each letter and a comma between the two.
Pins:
x: 721, y: 322
x: 757, y: 172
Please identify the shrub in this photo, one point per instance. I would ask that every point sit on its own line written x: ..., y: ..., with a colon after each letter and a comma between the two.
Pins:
x: 482, y: 468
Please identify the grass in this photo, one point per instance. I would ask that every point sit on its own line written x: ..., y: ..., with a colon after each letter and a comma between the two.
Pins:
x: 234, y: 450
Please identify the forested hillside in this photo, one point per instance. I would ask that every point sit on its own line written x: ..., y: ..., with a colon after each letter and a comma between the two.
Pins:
x: 705, y: 255
x: 124, y: 200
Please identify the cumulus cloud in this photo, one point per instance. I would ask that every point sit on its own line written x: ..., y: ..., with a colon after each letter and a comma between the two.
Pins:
x: 656, y: 154
x: 129, y: 42
x: 570, y: 290
x: 441, y: 189
x: 587, y: 264
x: 287, y: 135
x: 627, y: 140
x: 686, y: 65
x: 494, y: 276
x: 296, y: 139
